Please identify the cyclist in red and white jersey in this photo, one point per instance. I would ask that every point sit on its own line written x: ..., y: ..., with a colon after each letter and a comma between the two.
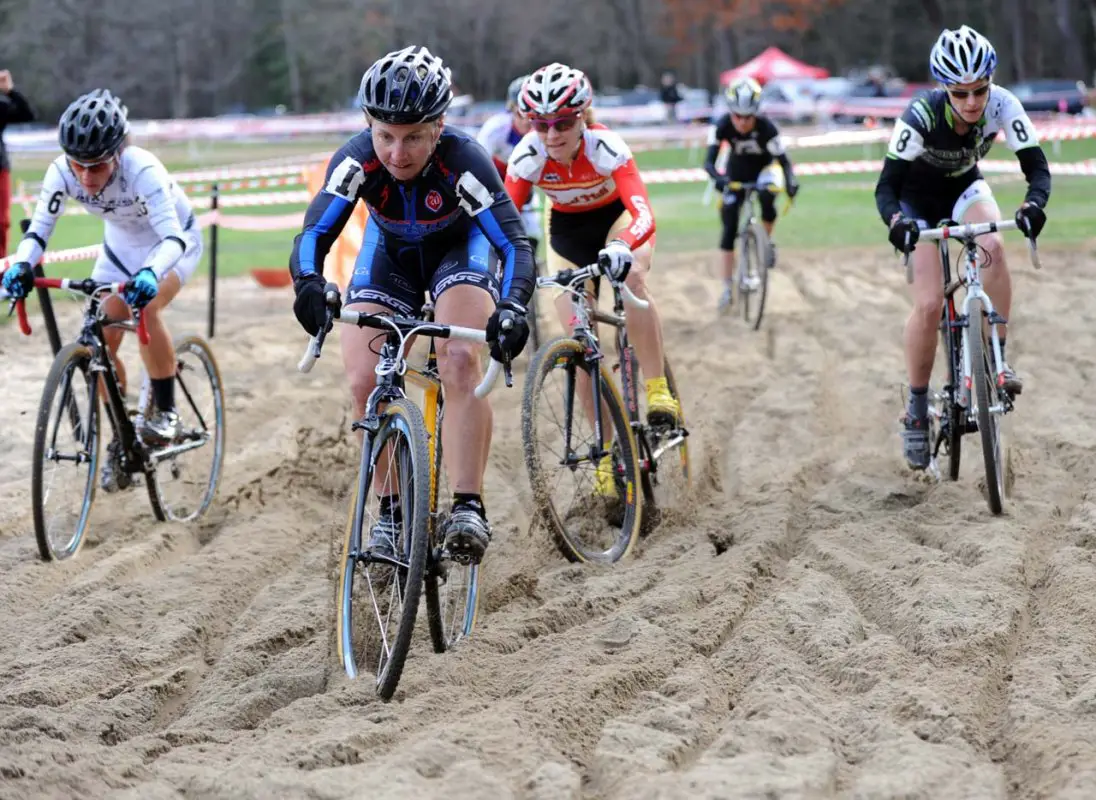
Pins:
x: 599, y: 210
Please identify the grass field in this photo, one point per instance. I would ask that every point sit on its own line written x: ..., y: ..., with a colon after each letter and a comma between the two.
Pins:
x: 832, y: 210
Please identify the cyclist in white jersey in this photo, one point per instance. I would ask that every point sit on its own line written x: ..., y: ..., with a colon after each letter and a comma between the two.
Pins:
x: 498, y: 136
x: 931, y: 174
x: 150, y: 236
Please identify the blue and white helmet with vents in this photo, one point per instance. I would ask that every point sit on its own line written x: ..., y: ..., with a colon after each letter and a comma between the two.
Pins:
x: 962, y: 56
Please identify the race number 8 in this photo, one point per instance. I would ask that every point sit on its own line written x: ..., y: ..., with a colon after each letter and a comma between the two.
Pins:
x: 903, y: 140
x: 1020, y: 130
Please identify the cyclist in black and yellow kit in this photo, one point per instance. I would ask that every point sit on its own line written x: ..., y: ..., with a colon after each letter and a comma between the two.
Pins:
x: 755, y: 143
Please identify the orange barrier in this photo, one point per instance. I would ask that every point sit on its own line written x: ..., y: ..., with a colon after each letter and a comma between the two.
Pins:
x: 339, y: 264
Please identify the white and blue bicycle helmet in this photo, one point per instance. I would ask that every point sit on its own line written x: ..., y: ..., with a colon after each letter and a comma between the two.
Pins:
x: 962, y: 56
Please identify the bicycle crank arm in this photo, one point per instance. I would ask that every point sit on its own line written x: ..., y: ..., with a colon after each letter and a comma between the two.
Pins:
x: 176, y: 449
x: 656, y: 454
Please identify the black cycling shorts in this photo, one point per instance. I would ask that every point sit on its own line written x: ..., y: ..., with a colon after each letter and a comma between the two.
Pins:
x: 398, y: 274
x: 931, y: 205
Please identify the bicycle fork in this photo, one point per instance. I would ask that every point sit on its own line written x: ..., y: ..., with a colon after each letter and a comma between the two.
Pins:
x: 592, y: 357
x: 997, y: 363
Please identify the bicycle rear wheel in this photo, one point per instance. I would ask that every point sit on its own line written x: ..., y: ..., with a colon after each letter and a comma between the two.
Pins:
x: 753, y: 275
x: 664, y: 462
x: 986, y: 398
x: 594, y: 520
x: 66, y: 442
x: 379, y: 589
x: 186, y: 472
x: 452, y: 587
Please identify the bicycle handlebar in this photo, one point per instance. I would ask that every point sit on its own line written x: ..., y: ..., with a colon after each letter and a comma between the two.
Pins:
x: 965, y: 233
x: 568, y: 277
x: 768, y: 187
x: 85, y: 286
x: 405, y: 326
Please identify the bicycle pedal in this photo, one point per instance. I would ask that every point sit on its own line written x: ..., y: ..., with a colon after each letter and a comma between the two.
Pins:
x: 462, y: 557
x: 661, y: 421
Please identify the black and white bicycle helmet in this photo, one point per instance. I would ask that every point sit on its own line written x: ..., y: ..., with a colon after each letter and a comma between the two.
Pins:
x: 406, y: 87
x: 93, y: 127
x: 962, y: 56
x: 744, y: 96
x: 555, y: 90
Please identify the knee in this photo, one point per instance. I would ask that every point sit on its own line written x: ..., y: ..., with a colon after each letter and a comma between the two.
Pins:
x: 768, y: 208
x: 927, y: 305
x: 115, y: 309
x: 151, y: 312
x: 995, y: 250
x: 458, y: 367
x: 637, y: 277
x: 361, y: 380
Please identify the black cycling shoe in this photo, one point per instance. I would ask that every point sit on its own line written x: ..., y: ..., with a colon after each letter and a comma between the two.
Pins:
x: 467, y: 534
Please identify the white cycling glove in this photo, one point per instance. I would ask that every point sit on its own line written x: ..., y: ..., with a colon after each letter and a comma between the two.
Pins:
x: 615, y: 260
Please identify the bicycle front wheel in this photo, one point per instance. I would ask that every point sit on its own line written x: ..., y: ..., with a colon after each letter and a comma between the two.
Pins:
x: 186, y: 472
x: 753, y: 274
x: 385, y: 549
x: 589, y: 503
x: 988, y: 406
x: 951, y: 416
x: 66, y: 454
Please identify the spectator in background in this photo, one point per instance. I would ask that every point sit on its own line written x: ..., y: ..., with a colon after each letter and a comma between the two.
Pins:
x: 877, y: 80
x: 14, y: 108
x: 670, y: 95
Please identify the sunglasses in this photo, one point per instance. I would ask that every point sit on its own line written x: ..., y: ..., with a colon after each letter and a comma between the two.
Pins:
x: 94, y: 166
x: 963, y: 94
x: 561, y: 124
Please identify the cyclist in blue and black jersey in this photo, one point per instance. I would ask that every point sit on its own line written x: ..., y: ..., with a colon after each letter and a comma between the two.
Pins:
x: 931, y: 174
x: 439, y: 220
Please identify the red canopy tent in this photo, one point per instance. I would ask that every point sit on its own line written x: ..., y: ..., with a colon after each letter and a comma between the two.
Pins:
x: 773, y: 64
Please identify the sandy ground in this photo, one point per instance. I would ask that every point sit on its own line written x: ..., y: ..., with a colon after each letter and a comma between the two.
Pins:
x: 823, y: 625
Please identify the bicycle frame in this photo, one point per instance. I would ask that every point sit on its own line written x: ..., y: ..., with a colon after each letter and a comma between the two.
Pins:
x: 973, y: 283
x: 584, y: 316
x: 745, y: 219
x: 390, y: 370
x: 974, y: 394
x: 135, y: 456
x: 971, y: 280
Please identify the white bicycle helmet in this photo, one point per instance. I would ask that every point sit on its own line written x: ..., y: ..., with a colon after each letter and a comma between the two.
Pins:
x: 555, y: 90
x: 744, y: 97
x: 962, y: 56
